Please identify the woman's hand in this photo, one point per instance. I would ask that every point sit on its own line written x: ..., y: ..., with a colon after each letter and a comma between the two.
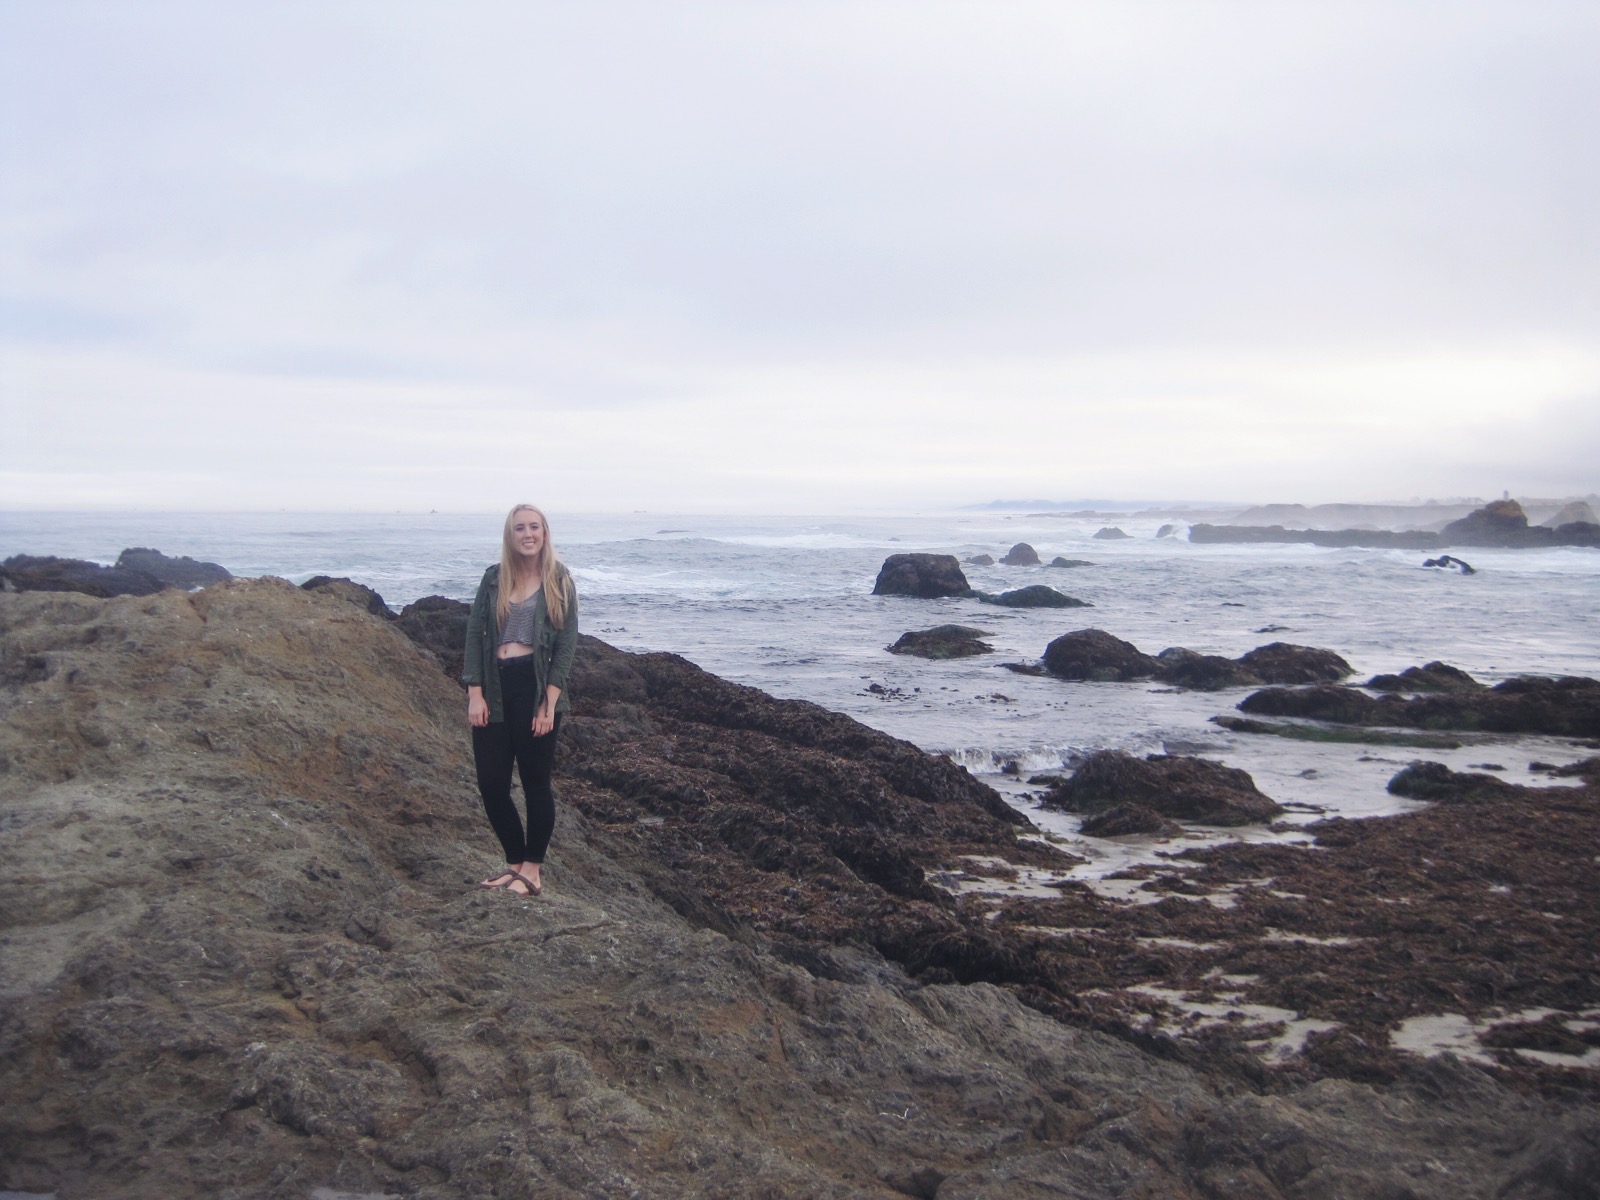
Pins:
x: 543, y: 721
x: 477, y: 708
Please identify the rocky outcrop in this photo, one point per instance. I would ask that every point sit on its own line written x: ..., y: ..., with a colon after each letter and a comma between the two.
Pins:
x: 1033, y: 596
x: 980, y: 560
x: 1166, y: 531
x: 1095, y: 655
x: 1111, y: 533
x: 1448, y: 562
x: 1058, y: 561
x: 1175, y: 787
x: 47, y: 573
x: 943, y: 641
x: 1129, y: 820
x: 245, y: 953
x: 1498, y: 523
x: 925, y: 576
x: 1577, y: 512
x: 1021, y: 555
x: 439, y: 625
x: 350, y: 592
x: 184, y: 572
x: 1430, y: 677
x: 1565, y: 707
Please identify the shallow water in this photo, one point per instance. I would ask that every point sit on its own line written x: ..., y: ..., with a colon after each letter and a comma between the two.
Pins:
x: 785, y: 604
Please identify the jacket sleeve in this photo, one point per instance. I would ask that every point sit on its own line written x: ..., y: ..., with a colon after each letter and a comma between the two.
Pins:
x: 477, y: 621
x: 566, y: 639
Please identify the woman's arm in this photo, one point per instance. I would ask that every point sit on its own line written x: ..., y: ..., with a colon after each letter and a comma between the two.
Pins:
x: 566, y: 643
x: 472, y: 656
x: 545, y: 719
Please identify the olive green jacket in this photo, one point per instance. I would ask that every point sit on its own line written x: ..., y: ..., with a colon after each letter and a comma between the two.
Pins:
x: 552, y: 652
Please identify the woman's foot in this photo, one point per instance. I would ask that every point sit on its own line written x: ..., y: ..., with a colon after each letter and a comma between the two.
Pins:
x: 523, y: 883
x: 499, y: 881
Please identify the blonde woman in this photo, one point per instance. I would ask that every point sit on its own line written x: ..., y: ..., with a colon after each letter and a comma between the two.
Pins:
x: 521, y: 636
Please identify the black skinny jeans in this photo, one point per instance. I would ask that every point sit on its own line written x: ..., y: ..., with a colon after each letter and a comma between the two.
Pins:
x: 497, y: 745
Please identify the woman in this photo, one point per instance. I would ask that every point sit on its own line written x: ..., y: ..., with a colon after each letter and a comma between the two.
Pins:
x: 521, y: 636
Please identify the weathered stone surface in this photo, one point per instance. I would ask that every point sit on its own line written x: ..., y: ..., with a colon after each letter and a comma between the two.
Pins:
x: 943, y: 641
x: 1568, y: 706
x: 184, y: 572
x: 47, y: 573
x: 1111, y: 533
x: 1176, y: 787
x: 1498, y: 523
x: 351, y: 592
x: 1285, y: 663
x: 1035, y: 595
x: 980, y: 560
x: 925, y: 576
x: 1430, y: 677
x: 1021, y: 555
x: 439, y: 625
x: 1058, y: 561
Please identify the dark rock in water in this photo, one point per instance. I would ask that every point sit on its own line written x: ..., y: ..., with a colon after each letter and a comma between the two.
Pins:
x: 1111, y: 533
x: 184, y: 572
x: 1025, y: 668
x: 1094, y: 654
x: 1185, y: 668
x: 439, y: 625
x: 358, y: 594
x: 46, y: 573
x: 1121, y: 820
x: 1058, y: 561
x: 1180, y: 788
x: 1447, y: 561
x: 1431, y: 677
x: 980, y: 560
x: 925, y: 576
x: 1021, y: 555
x: 943, y: 641
x: 1166, y: 531
x: 1564, y: 707
x: 1435, y: 781
x: 1033, y: 596
x: 1284, y: 663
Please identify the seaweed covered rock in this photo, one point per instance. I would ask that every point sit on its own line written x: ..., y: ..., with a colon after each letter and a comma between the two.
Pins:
x: 1035, y: 595
x: 943, y: 641
x: 47, y: 573
x: 1285, y: 663
x: 925, y: 576
x: 1435, y: 781
x: 1094, y: 654
x: 1430, y: 677
x: 1568, y: 706
x: 1173, y: 786
x: 1058, y: 561
x: 1125, y: 820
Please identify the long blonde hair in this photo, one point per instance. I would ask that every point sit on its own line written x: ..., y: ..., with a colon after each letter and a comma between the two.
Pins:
x: 553, y: 576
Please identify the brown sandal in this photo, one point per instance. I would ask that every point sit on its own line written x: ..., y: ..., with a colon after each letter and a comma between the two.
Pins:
x: 492, y: 884
x: 517, y: 877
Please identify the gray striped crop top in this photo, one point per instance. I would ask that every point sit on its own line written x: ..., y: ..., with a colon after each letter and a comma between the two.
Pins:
x: 519, y: 621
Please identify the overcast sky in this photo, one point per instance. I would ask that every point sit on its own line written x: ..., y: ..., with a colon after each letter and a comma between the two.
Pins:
x: 796, y: 256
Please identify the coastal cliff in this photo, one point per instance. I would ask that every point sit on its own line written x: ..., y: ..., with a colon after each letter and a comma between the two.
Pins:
x: 245, y: 954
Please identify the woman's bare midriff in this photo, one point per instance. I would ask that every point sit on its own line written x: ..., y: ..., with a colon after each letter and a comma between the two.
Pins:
x: 513, y: 650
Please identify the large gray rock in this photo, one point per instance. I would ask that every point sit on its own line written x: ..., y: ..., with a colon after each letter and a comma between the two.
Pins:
x: 943, y: 641
x: 1035, y: 595
x: 925, y: 576
x: 1175, y: 787
x: 47, y: 573
x: 1021, y: 555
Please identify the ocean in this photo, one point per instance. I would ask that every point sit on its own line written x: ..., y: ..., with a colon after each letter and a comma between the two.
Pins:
x: 784, y: 604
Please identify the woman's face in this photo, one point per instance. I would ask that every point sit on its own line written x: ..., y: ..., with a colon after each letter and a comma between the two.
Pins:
x: 527, y: 533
